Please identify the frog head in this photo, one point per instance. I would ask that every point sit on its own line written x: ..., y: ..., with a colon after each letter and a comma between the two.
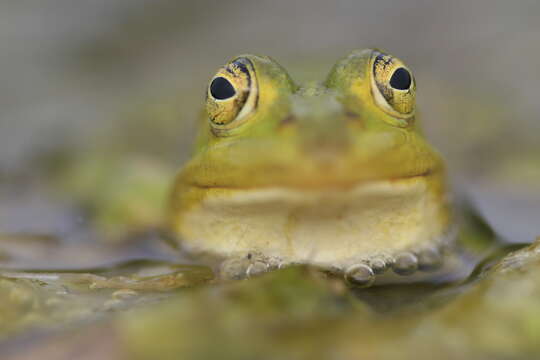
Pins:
x: 335, y: 173
x: 261, y: 129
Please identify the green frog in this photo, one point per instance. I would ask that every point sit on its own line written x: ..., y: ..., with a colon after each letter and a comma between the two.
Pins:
x: 335, y: 174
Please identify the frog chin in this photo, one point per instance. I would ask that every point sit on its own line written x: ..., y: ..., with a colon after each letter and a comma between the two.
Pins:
x: 329, y: 227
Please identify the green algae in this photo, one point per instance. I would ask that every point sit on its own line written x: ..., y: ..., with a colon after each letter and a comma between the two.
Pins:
x: 147, y: 311
x: 299, y: 314
x: 54, y: 299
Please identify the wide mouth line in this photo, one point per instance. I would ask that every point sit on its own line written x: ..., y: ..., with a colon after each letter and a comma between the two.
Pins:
x: 328, y: 186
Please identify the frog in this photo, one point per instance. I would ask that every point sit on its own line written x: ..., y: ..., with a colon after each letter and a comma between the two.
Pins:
x: 335, y: 174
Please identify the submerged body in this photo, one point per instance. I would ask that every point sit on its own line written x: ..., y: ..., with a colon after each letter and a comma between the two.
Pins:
x: 335, y: 174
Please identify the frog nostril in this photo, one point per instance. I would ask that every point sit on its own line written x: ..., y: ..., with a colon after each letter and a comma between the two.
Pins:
x: 354, y: 117
x: 288, y: 120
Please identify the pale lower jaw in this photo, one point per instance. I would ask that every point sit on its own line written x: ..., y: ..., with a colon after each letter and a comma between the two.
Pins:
x: 329, y: 228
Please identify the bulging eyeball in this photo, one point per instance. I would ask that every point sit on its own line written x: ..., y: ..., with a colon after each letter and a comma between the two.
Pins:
x: 393, y: 85
x: 231, y: 94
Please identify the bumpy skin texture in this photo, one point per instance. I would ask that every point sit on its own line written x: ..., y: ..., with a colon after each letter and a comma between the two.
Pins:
x: 334, y: 174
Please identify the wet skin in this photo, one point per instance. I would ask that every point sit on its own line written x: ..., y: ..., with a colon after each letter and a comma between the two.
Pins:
x: 334, y: 174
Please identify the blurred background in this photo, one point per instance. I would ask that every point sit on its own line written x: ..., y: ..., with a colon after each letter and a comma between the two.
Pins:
x: 95, y: 95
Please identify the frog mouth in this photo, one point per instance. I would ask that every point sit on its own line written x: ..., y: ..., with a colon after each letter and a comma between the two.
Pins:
x: 330, y: 183
x: 320, y: 183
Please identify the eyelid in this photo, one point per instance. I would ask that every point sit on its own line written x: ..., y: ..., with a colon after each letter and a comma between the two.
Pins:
x: 240, y: 73
x: 383, y: 93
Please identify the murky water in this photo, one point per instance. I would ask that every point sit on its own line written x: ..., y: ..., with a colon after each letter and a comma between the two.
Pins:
x: 60, y: 293
x: 150, y: 295
x: 282, y: 307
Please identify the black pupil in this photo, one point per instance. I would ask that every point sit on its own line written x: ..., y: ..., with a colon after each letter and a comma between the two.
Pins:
x: 221, y: 89
x: 401, y: 79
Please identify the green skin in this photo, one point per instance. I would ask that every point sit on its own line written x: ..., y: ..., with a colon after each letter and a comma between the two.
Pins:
x: 319, y: 138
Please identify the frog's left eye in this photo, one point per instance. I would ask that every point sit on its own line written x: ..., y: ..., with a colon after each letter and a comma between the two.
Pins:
x: 231, y: 94
x: 393, y: 86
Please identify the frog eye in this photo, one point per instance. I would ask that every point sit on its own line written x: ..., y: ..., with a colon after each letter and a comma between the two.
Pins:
x: 231, y: 94
x: 221, y: 89
x: 393, y: 86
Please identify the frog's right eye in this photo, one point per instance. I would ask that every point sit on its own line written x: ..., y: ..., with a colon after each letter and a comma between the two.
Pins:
x: 231, y: 95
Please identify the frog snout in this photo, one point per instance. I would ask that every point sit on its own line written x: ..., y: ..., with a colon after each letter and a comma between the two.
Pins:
x: 324, y: 139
